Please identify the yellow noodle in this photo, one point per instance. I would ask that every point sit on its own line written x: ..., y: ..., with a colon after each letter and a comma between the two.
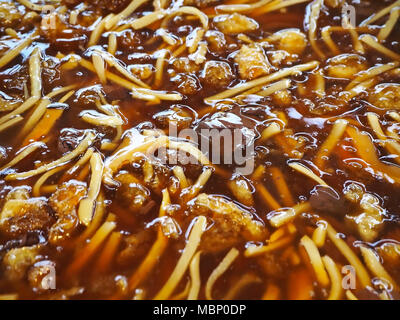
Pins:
x: 30, y: 5
x: 351, y: 257
x: 112, y: 61
x: 98, y: 64
x: 124, y: 13
x: 280, y: 85
x: 326, y: 36
x: 307, y: 172
x: 10, y: 123
x: 34, y: 118
x: 288, y: 215
x: 372, y: 261
x: 331, y: 142
x: 336, y: 291
x: 371, y: 73
x: 86, y: 206
x: 358, y: 89
x: 263, y: 80
x: 319, y: 234
x: 188, y: 10
x: 146, y: 20
x: 12, y: 33
x: 390, y: 24
x: 373, y: 43
x: 380, y: 14
x: 82, y: 147
x: 350, y: 295
x: 220, y: 270
x: 316, y: 260
x: 392, y: 146
x: 22, y: 154
x: 243, y: 7
x: 242, y: 283
x: 82, y: 161
x: 312, y: 26
x: 183, y: 262
x: 21, y: 45
x: 273, y: 129
x: 253, y: 251
x: 277, y: 5
x: 112, y: 43
x: 180, y: 174
x: 38, y: 184
x: 160, y: 67
x: 195, y: 277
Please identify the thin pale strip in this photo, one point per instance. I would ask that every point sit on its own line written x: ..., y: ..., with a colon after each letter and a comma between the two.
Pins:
x: 315, y: 10
x: 392, y: 146
x: 351, y: 257
x: 188, y: 10
x: 195, y: 277
x: 280, y: 85
x: 91, y: 248
x: 277, y: 5
x: 265, y: 195
x: 380, y: 14
x: 242, y: 7
x: 282, y: 187
x: 288, y: 215
x: 147, y: 20
x: 31, y: 5
x: 39, y: 182
x: 114, y: 62
x: 373, y: 43
x: 34, y: 118
x: 319, y: 234
x: 180, y: 174
x: 371, y: 73
x: 374, y: 265
x: 350, y: 295
x: 99, y: 66
x: 336, y: 291
x: 326, y: 36
x: 86, y: 206
x: 307, y: 172
x: 254, y: 251
x: 315, y: 260
x: 82, y: 147
x: 155, y: 252
x: 44, y: 126
x: 124, y: 13
x: 219, y: 271
x: 358, y: 89
x: 263, y: 80
x: 183, y: 262
x: 21, y: 45
x: 129, y: 85
x: 6, y: 125
x: 331, y: 142
x: 389, y: 25
x: 35, y: 73
x: 273, y: 129
x: 112, y: 43
x: 22, y: 154
x: 162, y: 54
x: 105, y: 260
x: 82, y: 161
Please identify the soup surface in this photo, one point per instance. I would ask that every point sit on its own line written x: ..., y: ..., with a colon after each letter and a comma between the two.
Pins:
x: 199, y: 149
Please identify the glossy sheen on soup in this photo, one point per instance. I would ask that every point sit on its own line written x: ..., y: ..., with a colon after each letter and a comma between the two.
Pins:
x: 199, y: 149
